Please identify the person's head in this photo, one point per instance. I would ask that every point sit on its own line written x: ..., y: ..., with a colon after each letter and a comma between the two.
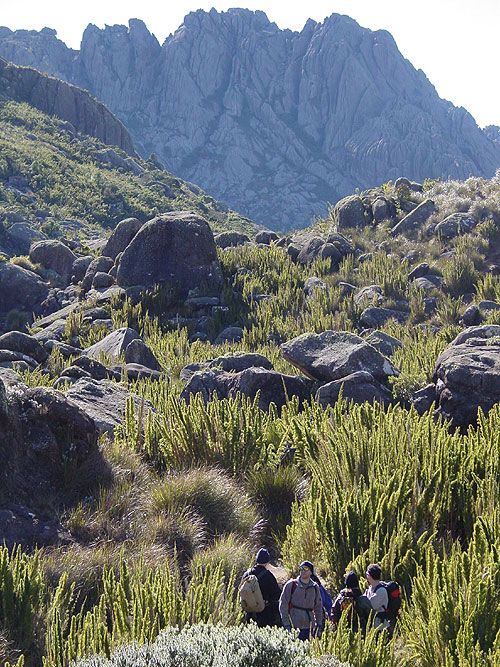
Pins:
x: 306, y: 570
x: 373, y: 574
x: 351, y: 580
x: 263, y: 557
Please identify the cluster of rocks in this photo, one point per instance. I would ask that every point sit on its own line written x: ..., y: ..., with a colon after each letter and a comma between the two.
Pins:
x: 331, y: 362
x: 406, y: 210
x: 336, y: 363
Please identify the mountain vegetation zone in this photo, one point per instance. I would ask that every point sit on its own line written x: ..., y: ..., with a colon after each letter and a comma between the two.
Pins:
x: 60, y: 172
x: 364, y: 483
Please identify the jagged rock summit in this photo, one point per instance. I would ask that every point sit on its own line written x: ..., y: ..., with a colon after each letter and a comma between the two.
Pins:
x: 273, y: 122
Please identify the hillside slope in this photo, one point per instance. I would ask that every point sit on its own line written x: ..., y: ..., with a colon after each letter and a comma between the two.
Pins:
x: 60, y: 181
x: 275, y: 123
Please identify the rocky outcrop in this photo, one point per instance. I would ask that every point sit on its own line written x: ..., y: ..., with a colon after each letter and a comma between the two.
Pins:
x: 68, y: 102
x: 20, y: 289
x: 273, y: 122
x: 271, y: 386
x: 176, y: 249
x: 467, y: 376
x: 333, y: 355
x: 105, y: 403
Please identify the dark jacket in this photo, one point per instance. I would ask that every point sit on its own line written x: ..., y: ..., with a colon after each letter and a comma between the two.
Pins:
x: 355, y: 603
x: 270, y: 592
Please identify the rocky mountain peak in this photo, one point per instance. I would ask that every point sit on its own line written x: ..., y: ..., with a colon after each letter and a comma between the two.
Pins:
x: 275, y: 123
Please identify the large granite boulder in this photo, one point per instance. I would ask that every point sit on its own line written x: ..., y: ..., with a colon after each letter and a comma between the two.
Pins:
x: 105, y: 402
x: 467, y: 375
x: 55, y: 256
x: 113, y: 346
x: 455, y: 225
x: 350, y: 212
x: 176, y: 249
x: 416, y: 218
x: 231, y: 362
x: 273, y: 387
x: 333, y: 355
x: 230, y: 239
x: 121, y: 236
x: 16, y: 341
x: 359, y: 387
x: 20, y: 289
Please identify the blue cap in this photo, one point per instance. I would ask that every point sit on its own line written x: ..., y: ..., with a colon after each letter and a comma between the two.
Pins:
x: 262, y: 557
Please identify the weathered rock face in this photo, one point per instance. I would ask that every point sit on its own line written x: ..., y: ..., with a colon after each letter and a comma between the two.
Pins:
x: 357, y: 387
x: 121, y: 236
x: 104, y: 402
x: 467, y: 375
x: 176, y: 249
x: 59, y: 98
x: 333, y: 355
x: 20, y: 289
x: 273, y: 122
x: 43, y: 434
x: 273, y: 387
x: 53, y: 255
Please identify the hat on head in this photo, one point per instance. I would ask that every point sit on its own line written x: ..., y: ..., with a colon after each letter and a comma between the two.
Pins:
x: 374, y: 571
x: 307, y: 563
x: 351, y: 580
x: 262, y: 557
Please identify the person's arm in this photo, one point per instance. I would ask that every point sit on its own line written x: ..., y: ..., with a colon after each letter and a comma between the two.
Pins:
x: 318, y: 608
x: 284, y: 606
x: 274, y: 590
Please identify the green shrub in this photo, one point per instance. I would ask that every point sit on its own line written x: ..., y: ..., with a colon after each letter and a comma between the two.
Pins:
x: 460, y: 275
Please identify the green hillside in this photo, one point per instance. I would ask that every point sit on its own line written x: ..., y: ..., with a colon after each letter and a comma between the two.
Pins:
x: 49, y: 173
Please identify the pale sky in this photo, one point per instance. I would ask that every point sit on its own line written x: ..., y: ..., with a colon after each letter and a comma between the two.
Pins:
x: 455, y: 42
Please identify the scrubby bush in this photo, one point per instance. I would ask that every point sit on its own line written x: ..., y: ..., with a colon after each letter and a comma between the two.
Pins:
x: 214, y: 646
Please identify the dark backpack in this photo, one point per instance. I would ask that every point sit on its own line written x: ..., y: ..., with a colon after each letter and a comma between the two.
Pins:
x: 394, y: 599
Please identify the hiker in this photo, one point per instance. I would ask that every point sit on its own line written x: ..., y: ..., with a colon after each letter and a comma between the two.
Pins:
x: 326, y: 598
x: 351, y: 601
x: 385, y: 599
x: 260, y: 592
x: 301, y: 605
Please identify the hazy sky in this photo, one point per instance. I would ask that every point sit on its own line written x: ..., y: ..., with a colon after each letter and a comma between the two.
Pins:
x: 455, y: 42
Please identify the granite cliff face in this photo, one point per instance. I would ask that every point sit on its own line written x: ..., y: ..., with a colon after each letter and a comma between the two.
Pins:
x: 61, y: 99
x: 275, y: 123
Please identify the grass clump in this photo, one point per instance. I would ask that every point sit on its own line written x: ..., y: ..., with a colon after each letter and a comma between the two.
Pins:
x: 211, y: 495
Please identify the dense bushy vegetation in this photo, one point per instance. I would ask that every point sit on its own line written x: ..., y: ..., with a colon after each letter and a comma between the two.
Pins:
x: 60, y: 173
x: 163, y: 532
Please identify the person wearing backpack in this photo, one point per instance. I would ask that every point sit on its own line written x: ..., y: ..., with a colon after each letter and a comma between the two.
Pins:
x: 385, y: 598
x: 326, y: 598
x: 260, y: 593
x: 351, y: 601
x: 301, y: 605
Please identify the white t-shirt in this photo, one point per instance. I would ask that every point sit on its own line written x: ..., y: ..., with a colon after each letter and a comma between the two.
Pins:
x: 379, y: 601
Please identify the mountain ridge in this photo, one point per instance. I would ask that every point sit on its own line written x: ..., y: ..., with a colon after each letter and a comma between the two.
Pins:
x: 276, y: 123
